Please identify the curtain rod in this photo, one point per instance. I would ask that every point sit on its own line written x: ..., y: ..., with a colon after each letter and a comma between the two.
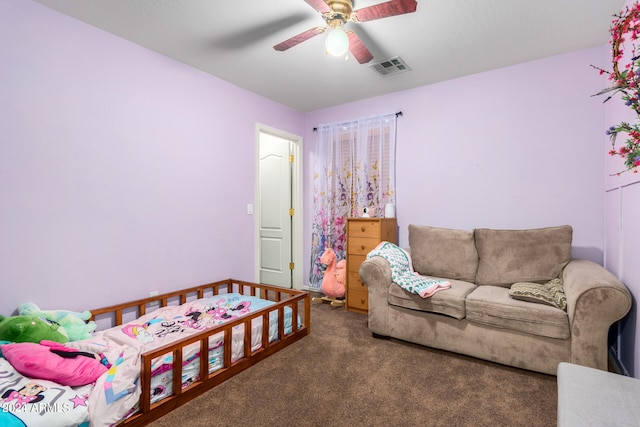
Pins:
x: 398, y: 114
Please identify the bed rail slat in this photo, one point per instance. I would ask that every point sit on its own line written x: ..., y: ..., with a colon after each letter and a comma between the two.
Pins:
x: 145, y: 399
x: 265, y: 331
x: 204, y: 358
x: 176, y: 369
x: 294, y: 317
x: 227, y: 348
x: 281, y: 322
x: 247, y: 336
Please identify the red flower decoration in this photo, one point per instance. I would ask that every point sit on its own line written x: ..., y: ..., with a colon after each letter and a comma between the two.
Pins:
x: 626, y: 82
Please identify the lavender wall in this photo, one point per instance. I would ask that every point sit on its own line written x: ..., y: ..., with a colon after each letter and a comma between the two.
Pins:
x: 622, y: 227
x: 517, y: 147
x: 121, y: 170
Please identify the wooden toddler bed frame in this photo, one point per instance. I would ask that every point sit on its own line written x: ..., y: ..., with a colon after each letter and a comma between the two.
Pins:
x: 297, y: 301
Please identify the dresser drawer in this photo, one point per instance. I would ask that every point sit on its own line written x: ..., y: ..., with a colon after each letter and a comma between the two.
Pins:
x: 354, y: 261
x: 354, y: 282
x: 361, y: 245
x: 358, y: 300
x: 364, y: 228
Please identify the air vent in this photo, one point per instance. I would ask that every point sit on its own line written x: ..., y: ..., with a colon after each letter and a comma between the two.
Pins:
x: 390, y: 66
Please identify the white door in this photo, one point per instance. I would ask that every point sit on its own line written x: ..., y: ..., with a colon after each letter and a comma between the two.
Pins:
x: 275, y: 215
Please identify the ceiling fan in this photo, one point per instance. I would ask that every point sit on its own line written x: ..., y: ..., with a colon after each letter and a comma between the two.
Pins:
x: 336, y: 13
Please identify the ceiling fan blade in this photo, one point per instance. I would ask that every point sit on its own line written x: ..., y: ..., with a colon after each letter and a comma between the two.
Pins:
x: 319, y: 5
x: 296, y: 40
x: 384, y: 10
x: 358, y: 49
x: 246, y: 37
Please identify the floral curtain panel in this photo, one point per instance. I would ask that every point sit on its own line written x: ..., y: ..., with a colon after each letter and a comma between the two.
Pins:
x: 354, y: 169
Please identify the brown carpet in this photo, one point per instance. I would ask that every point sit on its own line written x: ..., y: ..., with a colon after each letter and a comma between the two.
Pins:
x: 340, y: 375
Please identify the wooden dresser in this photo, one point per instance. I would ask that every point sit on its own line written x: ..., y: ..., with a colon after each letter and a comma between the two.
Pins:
x: 363, y: 235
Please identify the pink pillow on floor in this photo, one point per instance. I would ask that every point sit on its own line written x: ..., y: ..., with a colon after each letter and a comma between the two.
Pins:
x: 38, y: 362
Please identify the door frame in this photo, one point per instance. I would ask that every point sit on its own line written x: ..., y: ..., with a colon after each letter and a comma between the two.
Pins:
x: 296, y: 196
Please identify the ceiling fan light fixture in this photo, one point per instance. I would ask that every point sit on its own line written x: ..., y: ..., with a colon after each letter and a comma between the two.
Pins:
x: 337, y: 41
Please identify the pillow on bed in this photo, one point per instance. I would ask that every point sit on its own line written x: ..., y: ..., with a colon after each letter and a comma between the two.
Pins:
x: 38, y: 362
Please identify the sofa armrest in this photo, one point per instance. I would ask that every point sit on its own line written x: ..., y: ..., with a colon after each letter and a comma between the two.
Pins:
x: 595, y: 300
x: 375, y: 273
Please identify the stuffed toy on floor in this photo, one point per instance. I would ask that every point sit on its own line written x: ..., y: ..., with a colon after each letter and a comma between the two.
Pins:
x: 333, y: 281
x: 75, y: 325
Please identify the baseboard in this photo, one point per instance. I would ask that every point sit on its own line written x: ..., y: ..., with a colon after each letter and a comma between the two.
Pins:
x: 615, y: 365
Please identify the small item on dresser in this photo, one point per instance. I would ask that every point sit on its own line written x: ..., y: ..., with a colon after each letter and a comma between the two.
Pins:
x: 365, y: 212
x: 389, y: 210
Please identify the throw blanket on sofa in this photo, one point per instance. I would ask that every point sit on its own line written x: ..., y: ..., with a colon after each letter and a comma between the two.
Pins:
x: 402, y: 272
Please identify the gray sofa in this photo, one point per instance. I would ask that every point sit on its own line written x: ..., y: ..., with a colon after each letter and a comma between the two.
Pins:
x: 479, y: 317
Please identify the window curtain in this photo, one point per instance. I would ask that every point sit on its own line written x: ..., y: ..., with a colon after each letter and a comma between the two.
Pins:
x: 354, y: 169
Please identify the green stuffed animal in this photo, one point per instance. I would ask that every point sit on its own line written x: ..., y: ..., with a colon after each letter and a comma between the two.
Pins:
x: 30, y: 329
x: 76, y: 325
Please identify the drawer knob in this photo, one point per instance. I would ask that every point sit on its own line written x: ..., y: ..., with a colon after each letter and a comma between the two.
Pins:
x: 362, y: 247
x: 363, y: 229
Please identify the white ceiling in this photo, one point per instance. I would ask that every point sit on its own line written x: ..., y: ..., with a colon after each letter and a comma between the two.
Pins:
x: 443, y: 39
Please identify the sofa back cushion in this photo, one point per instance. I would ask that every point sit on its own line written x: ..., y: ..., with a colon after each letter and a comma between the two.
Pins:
x: 510, y: 256
x: 443, y: 252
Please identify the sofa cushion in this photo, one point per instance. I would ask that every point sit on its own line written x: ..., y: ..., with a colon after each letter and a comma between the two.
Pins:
x: 443, y: 252
x: 492, y: 306
x: 446, y: 301
x: 510, y: 256
x: 550, y: 293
